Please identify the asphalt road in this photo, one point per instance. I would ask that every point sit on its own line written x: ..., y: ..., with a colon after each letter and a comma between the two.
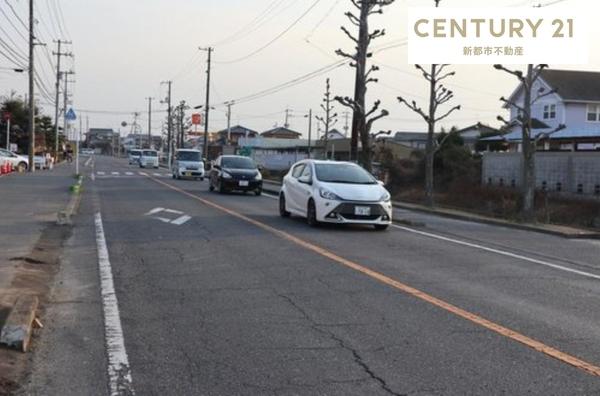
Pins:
x: 218, y: 295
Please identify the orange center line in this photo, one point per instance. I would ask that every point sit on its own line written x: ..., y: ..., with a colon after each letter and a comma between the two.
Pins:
x: 474, y: 318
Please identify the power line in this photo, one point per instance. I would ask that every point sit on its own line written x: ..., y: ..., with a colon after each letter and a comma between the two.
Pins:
x: 244, y: 31
x: 276, y: 38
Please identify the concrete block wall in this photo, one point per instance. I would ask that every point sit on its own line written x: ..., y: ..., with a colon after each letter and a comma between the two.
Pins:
x: 566, y: 172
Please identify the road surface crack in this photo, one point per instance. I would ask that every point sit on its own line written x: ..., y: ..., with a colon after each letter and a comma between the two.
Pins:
x: 358, y: 359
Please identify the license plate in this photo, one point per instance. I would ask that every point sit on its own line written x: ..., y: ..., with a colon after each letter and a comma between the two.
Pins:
x: 244, y: 183
x: 362, y: 210
x: 188, y: 173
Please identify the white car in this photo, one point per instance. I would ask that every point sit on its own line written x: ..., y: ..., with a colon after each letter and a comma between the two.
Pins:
x: 19, y: 163
x: 134, y: 157
x: 149, y: 159
x: 335, y: 192
x: 188, y: 163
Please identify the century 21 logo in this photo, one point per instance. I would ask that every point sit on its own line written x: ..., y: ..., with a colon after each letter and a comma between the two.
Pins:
x: 498, y: 28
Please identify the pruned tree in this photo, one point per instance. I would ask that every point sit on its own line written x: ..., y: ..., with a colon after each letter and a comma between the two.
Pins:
x: 362, y: 119
x: 438, y: 96
x: 329, y: 119
x: 529, y: 142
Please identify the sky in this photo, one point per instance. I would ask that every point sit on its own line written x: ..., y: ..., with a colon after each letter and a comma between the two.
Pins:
x: 124, y: 49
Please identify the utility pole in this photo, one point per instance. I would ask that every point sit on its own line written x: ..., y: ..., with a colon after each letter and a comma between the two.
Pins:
x: 309, y: 132
x: 65, y: 99
x: 8, y: 132
x: 169, y: 122
x: 207, y: 105
x: 182, y: 108
x: 286, y: 124
x: 229, y: 104
x: 31, y: 90
x: 58, y: 54
x: 150, y: 122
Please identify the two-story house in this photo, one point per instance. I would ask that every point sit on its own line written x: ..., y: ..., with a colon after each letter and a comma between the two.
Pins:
x: 575, y: 104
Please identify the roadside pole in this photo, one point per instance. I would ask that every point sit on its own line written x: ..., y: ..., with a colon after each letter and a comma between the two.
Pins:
x: 77, y: 147
x: 31, y: 149
x: 8, y: 133
x: 207, y: 105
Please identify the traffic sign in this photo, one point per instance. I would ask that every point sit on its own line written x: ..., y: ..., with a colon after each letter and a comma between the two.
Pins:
x: 196, y: 119
x: 71, y: 116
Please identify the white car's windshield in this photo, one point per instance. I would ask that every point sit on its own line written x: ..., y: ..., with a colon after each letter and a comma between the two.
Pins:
x: 149, y: 153
x: 191, y: 156
x: 237, y: 163
x: 135, y: 153
x: 343, y: 173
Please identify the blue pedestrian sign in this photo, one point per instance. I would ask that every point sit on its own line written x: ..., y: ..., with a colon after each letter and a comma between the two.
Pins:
x: 71, y: 116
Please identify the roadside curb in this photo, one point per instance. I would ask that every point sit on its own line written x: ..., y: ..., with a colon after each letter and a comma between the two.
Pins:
x: 575, y: 234
x: 64, y: 216
x: 18, y: 328
x: 273, y: 187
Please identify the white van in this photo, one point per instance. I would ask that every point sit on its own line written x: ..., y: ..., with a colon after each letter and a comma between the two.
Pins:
x: 149, y: 159
x: 134, y: 156
x: 188, y: 163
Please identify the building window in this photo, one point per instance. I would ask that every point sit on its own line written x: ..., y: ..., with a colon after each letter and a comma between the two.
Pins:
x: 549, y: 112
x: 593, y: 113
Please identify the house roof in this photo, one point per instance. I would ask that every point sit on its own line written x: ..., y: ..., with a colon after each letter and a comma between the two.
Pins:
x: 239, y: 130
x: 411, y: 136
x: 281, y: 130
x: 482, y: 128
x: 574, y: 85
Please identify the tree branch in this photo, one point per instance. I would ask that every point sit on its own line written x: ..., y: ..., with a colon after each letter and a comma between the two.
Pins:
x: 455, y: 108
x: 413, y: 106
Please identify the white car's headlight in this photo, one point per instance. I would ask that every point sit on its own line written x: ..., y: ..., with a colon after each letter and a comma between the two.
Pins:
x: 385, y: 196
x: 225, y: 175
x: 325, y: 193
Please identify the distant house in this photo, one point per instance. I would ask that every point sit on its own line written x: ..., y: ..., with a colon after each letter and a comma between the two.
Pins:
x: 278, y: 154
x: 416, y: 140
x: 236, y: 133
x: 472, y: 134
x: 576, y: 104
x: 102, y: 139
x: 334, y: 134
x: 281, y: 133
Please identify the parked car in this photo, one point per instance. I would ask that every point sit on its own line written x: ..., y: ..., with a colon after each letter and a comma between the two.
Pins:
x: 19, y: 163
x: 335, y: 192
x: 188, y: 163
x: 134, y: 156
x: 235, y: 173
x: 41, y: 162
x: 148, y: 159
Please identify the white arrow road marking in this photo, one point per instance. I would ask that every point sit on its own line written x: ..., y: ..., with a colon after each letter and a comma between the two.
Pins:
x: 182, y: 220
x: 119, y: 372
x: 154, y: 211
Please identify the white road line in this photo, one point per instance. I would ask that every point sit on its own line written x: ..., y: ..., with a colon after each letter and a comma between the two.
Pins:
x: 270, y: 196
x: 154, y: 211
x: 142, y: 173
x: 157, y: 174
x: 115, y: 173
x: 119, y: 372
x: 500, y: 252
x: 87, y: 163
x: 100, y: 173
x: 129, y: 173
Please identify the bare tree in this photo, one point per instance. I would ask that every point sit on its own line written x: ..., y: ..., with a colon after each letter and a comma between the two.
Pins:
x: 329, y: 119
x: 529, y: 142
x: 362, y: 119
